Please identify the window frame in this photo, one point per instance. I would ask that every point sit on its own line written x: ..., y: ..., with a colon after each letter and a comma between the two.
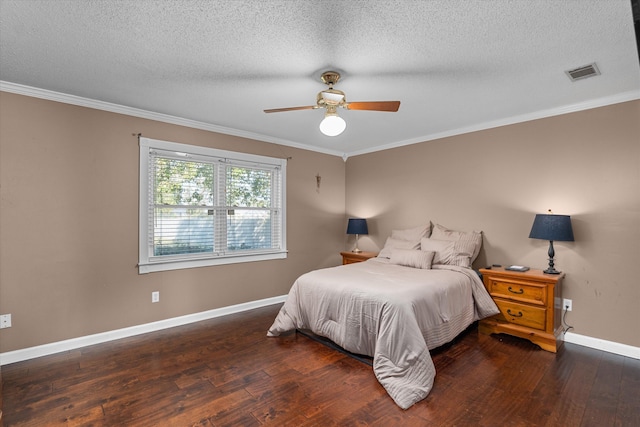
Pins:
x: 148, y: 262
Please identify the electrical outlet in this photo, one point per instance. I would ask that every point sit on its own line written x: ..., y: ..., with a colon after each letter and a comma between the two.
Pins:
x: 5, y: 321
x: 567, y: 304
x: 155, y: 296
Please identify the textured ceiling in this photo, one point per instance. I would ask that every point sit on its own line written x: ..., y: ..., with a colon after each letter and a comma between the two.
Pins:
x: 456, y: 65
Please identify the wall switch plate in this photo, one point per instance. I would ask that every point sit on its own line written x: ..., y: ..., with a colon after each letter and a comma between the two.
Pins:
x: 567, y: 304
x: 155, y: 296
x: 5, y: 321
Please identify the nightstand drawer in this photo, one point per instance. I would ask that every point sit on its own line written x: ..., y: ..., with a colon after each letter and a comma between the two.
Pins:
x: 514, y: 290
x: 523, y: 314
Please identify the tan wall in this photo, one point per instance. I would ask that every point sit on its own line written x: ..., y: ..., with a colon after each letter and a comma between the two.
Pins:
x: 69, y: 214
x: 69, y: 224
x: 585, y: 164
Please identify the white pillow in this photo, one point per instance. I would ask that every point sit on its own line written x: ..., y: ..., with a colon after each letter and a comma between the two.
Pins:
x: 468, y: 241
x: 392, y: 243
x: 412, y: 258
x: 447, y: 252
x: 413, y: 234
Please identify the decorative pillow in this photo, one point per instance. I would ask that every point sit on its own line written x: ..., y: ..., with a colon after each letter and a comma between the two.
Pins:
x: 447, y: 252
x: 412, y: 258
x: 413, y: 234
x: 392, y: 243
x: 469, y: 241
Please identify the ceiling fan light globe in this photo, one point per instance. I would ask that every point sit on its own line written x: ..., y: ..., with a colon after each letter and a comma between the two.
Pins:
x: 332, y: 125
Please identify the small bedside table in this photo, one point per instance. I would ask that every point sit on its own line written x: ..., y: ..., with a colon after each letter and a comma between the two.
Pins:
x: 527, y: 305
x: 351, y: 257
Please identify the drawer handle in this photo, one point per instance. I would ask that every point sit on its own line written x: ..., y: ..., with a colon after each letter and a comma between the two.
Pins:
x: 521, y: 291
x: 514, y: 315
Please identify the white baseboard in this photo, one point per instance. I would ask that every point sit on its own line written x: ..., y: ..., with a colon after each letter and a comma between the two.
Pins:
x: 604, y: 345
x: 75, y: 343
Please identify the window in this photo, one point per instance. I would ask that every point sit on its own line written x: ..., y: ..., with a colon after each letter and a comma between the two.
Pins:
x: 201, y: 206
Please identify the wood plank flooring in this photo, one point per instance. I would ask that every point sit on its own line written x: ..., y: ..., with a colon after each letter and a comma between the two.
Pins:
x: 226, y: 372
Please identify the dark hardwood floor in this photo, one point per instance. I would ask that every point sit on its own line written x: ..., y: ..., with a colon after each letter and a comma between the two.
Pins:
x: 226, y: 372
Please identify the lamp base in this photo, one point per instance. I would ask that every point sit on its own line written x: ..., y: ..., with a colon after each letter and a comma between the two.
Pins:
x: 356, y: 250
x: 552, y: 253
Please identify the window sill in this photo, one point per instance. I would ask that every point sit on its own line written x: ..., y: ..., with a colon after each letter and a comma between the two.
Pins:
x: 153, y: 267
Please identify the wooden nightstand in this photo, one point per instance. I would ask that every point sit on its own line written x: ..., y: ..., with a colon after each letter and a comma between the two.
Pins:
x: 351, y: 257
x: 527, y: 306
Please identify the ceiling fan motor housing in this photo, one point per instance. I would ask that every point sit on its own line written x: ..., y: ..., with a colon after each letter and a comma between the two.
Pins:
x: 331, y: 97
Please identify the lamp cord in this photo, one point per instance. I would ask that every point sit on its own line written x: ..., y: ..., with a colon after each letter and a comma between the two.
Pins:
x: 564, y: 323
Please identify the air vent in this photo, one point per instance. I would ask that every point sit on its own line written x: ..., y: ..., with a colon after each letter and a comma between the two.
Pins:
x: 583, y: 72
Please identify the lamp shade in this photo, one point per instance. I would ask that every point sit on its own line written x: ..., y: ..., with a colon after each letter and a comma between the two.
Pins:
x: 555, y: 228
x: 357, y: 226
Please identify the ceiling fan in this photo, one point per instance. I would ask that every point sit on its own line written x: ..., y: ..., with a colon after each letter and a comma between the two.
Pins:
x: 330, y: 99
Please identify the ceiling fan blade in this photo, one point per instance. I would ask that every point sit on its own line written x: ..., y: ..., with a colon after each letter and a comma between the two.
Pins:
x: 374, y: 106
x: 278, y: 110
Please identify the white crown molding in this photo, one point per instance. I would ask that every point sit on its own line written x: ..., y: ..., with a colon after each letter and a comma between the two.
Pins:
x: 165, y: 118
x: 144, y: 114
x: 588, y: 105
x: 75, y: 343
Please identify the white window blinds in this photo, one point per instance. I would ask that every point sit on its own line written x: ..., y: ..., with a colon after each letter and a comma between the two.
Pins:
x: 202, y: 206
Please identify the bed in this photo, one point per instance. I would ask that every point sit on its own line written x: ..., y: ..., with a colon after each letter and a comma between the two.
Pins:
x: 395, y: 308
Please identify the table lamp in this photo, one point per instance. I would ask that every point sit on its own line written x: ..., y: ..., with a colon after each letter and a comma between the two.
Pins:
x: 552, y: 228
x: 357, y: 226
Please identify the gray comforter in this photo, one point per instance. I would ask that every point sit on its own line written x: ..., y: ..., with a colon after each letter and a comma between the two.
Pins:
x: 393, y: 313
